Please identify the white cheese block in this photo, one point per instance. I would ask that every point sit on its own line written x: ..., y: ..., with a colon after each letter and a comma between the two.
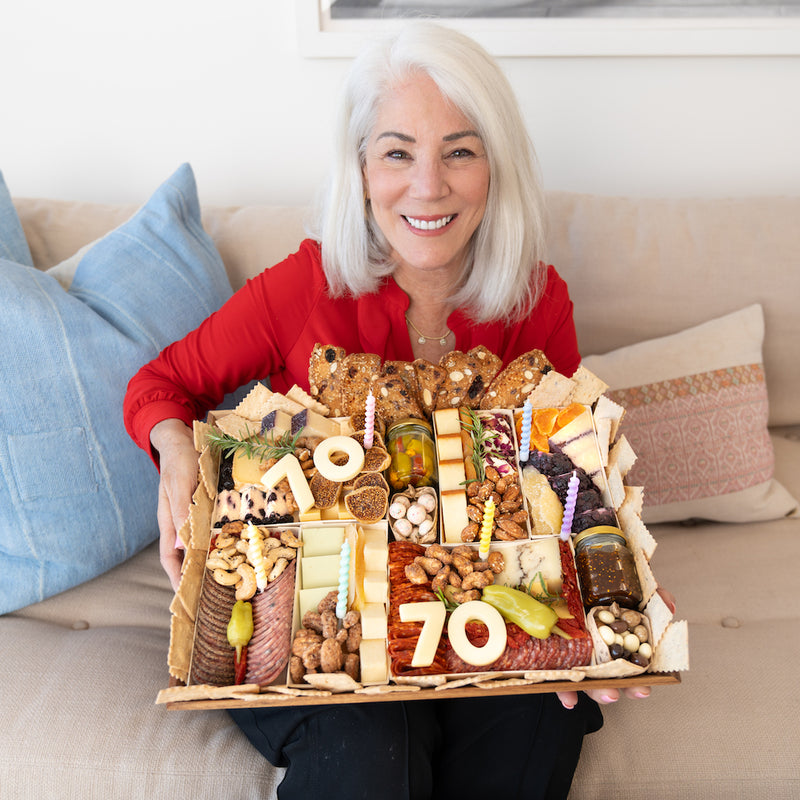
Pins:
x: 323, y: 541
x: 246, y: 471
x: 432, y: 615
x: 289, y: 467
x: 454, y: 515
x: 319, y: 571
x: 448, y: 446
x: 452, y: 476
x: 447, y: 421
x: 374, y: 661
x: 376, y: 586
x: 374, y: 621
x: 313, y: 424
x: 376, y: 554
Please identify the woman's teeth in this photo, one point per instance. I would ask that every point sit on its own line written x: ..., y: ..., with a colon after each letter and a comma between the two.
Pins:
x: 428, y: 224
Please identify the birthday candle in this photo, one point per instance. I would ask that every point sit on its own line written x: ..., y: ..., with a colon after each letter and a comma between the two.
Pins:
x: 569, y: 506
x: 344, y: 580
x: 370, y: 421
x: 525, y: 434
x: 486, y: 528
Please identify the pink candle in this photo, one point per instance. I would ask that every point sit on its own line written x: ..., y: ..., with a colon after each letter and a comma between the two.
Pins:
x: 569, y: 506
x: 369, y: 426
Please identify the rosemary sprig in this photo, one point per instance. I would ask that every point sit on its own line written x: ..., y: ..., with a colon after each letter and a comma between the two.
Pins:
x: 255, y: 446
x: 449, y: 605
x: 481, y: 437
x: 537, y: 588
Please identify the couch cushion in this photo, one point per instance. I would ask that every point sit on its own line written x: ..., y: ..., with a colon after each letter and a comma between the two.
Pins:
x: 696, y: 416
x: 77, y: 496
x: 12, y: 238
x: 92, y: 660
x: 640, y: 268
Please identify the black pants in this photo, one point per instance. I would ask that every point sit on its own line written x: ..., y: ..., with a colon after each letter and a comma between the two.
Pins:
x: 520, y: 746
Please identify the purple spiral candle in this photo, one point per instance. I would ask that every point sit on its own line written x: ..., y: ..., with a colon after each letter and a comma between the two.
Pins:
x: 569, y: 506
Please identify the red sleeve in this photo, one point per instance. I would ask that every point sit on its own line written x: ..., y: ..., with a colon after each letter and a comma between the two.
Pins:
x: 235, y: 345
x: 562, y: 341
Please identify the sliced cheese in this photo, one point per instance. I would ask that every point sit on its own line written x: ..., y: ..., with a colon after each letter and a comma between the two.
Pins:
x: 246, y: 471
x: 319, y: 571
x: 448, y: 447
x: 447, y: 421
x: 323, y: 541
x: 289, y: 467
x: 313, y: 424
x: 310, y: 598
x: 374, y: 621
x: 454, y: 515
x: 432, y: 615
x: 451, y: 475
x: 374, y: 661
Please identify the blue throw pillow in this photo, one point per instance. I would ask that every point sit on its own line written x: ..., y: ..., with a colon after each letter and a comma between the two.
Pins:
x: 13, y: 244
x: 77, y: 496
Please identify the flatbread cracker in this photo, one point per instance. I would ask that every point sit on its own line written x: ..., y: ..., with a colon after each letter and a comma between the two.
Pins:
x: 660, y: 616
x: 622, y: 455
x: 209, y: 471
x: 299, y: 395
x: 200, y: 432
x: 387, y: 688
x: 553, y: 391
x: 335, y: 682
x: 636, y: 532
x: 587, y: 387
x: 253, y: 403
x: 181, y: 638
x: 608, y: 409
x: 672, y: 653
x: 237, y: 426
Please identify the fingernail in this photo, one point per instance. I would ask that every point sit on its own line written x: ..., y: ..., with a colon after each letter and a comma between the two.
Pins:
x: 608, y: 698
x: 642, y: 694
x: 568, y: 707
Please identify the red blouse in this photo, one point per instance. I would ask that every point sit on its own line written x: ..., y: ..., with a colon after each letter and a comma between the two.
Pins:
x: 269, y: 327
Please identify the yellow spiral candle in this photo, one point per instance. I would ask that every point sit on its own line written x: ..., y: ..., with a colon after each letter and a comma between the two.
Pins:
x: 486, y: 528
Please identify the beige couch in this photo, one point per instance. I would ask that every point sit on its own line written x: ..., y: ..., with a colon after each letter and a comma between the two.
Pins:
x: 80, y: 671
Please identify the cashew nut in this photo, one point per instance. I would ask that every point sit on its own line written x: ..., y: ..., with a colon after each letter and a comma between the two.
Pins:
x: 225, y: 578
x: 290, y: 540
x: 246, y: 587
x: 280, y: 566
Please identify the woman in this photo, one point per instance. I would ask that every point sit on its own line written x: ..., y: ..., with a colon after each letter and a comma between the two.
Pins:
x: 431, y: 241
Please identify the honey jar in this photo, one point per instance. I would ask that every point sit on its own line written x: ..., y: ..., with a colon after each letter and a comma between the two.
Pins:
x: 410, y: 444
x: 606, y: 569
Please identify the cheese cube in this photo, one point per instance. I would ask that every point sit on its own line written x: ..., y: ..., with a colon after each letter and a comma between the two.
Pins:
x: 373, y: 621
x: 374, y: 661
x: 376, y: 555
x: 376, y: 587
x: 323, y: 541
x: 449, y: 448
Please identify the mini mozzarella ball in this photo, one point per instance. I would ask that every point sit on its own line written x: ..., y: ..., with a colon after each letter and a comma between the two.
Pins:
x: 631, y: 643
x: 427, y: 501
x: 416, y: 514
x: 403, y: 527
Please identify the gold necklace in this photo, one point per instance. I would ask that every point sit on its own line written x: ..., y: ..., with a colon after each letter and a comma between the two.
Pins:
x: 423, y: 338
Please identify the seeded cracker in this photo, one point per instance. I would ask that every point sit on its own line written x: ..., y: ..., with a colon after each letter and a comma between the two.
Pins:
x: 552, y: 391
x: 467, y: 377
x: 393, y: 401
x: 429, y: 378
x: 359, y: 369
x: 325, y: 377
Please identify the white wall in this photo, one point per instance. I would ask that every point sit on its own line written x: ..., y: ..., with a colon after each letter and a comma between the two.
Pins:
x: 100, y: 101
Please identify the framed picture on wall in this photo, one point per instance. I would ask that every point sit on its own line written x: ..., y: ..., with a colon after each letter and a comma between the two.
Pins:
x: 337, y: 28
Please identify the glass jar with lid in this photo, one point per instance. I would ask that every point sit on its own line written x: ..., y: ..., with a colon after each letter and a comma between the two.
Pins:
x: 606, y: 569
x: 410, y: 444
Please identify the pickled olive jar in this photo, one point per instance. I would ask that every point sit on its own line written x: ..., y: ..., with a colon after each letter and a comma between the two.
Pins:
x: 606, y: 570
x: 410, y: 444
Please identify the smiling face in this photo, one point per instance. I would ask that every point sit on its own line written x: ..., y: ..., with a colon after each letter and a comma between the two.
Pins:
x: 426, y: 175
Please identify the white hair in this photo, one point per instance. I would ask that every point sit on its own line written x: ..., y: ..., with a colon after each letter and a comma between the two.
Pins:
x: 507, y: 247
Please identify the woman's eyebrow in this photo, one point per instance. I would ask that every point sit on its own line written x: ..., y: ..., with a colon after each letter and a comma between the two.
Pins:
x: 404, y: 137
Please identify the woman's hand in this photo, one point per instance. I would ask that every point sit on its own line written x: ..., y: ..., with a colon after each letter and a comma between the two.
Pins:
x: 174, y: 442
x: 605, y: 696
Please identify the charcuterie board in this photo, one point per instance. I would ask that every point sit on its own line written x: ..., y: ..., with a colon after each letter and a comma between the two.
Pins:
x: 387, y: 538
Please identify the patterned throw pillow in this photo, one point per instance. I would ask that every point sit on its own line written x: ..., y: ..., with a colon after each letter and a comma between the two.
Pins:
x: 77, y: 496
x: 696, y: 416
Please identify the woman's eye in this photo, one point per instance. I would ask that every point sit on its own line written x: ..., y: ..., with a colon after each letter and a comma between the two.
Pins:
x: 397, y: 155
x: 461, y: 153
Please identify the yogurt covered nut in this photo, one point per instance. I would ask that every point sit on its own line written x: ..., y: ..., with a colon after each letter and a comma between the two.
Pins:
x: 416, y: 514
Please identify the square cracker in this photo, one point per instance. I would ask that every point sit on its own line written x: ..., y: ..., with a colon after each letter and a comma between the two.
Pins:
x: 672, y: 653
x: 553, y: 391
x: 588, y: 387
